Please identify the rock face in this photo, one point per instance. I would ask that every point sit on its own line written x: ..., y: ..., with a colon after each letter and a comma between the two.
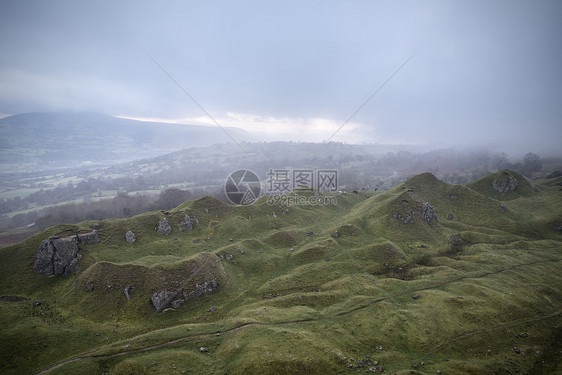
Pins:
x: 57, y: 256
x: 163, y: 298
x: 164, y: 227
x: 91, y: 237
x: 130, y: 237
x: 186, y: 222
x: 504, y: 186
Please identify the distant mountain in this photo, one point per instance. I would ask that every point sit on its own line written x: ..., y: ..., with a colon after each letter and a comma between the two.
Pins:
x: 64, y: 138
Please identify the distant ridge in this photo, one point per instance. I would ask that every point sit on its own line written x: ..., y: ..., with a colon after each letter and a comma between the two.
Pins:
x: 67, y: 138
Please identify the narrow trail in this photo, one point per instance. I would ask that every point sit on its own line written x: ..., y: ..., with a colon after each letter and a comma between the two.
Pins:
x: 323, y: 317
x: 500, y: 326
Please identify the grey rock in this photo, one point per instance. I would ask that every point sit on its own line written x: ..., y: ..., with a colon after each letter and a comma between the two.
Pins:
x: 310, y: 234
x: 416, y: 296
x: 56, y: 257
x: 516, y: 350
x: 162, y: 298
x: 36, y: 303
x: 96, y: 226
x: 86, y: 238
x: 505, y: 186
x: 428, y: 212
x: 451, y: 196
x: 213, y: 309
x: 164, y: 227
x: 502, y: 208
x: 202, y: 349
x: 130, y: 237
x: 186, y: 222
x: 336, y: 234
x: 128, y: 291
x: 228, y: 256
x: 109, y: 288
x: 450, y: 217
x: 558, y: 228
x: 90, y: 287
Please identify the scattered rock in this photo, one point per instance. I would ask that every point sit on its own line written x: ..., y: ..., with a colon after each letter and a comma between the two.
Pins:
x: 502, y: 208
x: 213, y: 309
x: 524, y: 335
x: 516, y: 350
x: 450, y: 217
x: 164, y: 227
x: 558, y: 228
x: 416, y: 296
x: 130, y: 237
x: 202, y: 349
x: 186, y: 222
x: 86, y: 238
x: 36, y: 303
x: 228, y: 256
x: 96, y: 226
x: 110, y: 288
x: 57, y: 256
x: 336, y: 234
x: 90, y: 287
x: 177, y: 303
x: 451, y: 196
x: 310, y: 234
x: 422, y: 246
x: 128, y: 291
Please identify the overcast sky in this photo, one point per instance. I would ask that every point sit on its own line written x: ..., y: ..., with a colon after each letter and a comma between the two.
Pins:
x: 483, y: 72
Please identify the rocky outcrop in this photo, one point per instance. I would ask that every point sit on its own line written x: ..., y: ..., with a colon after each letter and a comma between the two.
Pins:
x: 127, y: 291
x: 506, y: 185
x: 163, y: 298
x: 91, y: 237
x: 164, y: 227
x: 186, y: 222
x: 57, y: 256
x: 130, y: 237
x: 428, y: 212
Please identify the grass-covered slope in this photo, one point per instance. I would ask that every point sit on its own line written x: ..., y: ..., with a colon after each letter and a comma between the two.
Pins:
x: 426, y: 277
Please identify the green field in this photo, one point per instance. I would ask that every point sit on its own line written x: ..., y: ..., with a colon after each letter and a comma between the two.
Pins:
x: 476, y: 291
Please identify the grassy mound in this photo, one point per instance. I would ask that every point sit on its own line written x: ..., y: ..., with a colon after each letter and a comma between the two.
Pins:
x: 449, y: 275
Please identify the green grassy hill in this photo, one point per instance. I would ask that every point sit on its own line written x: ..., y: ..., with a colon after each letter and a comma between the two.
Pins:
x: 425, y: 278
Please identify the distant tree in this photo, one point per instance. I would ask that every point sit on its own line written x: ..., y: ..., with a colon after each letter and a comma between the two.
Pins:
x: 499, y: 161
x: 531, y: 163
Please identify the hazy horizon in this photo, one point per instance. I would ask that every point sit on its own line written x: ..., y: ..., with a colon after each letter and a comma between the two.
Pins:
x: 480, y: 74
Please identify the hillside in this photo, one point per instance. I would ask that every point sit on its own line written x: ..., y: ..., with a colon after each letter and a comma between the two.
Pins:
x: 424, y: 278
x: 61, y: 139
